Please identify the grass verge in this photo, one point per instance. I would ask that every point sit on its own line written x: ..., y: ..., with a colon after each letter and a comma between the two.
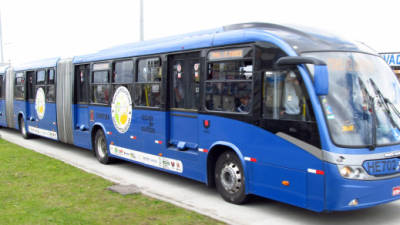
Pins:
x: 36, y: 189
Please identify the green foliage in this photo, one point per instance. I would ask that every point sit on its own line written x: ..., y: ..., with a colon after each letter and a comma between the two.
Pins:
x: 36, y: 189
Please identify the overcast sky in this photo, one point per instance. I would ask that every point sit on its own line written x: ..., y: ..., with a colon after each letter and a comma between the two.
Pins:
x: 40, y: 29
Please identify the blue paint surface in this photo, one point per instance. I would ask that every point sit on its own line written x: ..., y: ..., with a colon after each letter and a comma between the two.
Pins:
x: 339, y: 191
x: 3, y: 122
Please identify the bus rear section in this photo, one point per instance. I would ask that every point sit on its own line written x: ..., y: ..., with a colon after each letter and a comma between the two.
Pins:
x: 3, y: 121
x: 34, y: 98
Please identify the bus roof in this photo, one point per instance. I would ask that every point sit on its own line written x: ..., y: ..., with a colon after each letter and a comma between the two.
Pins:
x: 300, y: 39
x: 39, y: 64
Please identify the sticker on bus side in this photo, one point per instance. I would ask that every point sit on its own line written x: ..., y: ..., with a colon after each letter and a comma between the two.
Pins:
x: 396, y: 191
x: 149, y: 159
x: 42, y: 132
x: 40, y: 103
x: 121, y: 109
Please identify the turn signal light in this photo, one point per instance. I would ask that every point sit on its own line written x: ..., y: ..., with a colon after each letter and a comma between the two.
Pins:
x: 353, y: 202
x: 285, y: 183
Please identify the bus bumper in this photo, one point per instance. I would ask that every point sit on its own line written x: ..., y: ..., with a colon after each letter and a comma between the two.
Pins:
x: 341, y: 192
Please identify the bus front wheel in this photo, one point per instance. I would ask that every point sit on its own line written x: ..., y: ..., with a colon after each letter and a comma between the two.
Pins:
x: 229, y: 178
x: 100, y: 148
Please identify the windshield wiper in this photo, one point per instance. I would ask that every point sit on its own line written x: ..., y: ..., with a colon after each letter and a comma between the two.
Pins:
x: 371, y: 105
x: 386, y: 103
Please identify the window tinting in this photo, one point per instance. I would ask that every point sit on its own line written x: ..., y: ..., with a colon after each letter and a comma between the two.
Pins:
x: 19, y: 91
x: 149, y: 70
x: 284, y: 96
x: 234, y: 70
x: 41, y: 77
x: 228, y: 86
x: 31, y: 84
x: 1, y: 86
x: 19, y: 79
x: 186, y: 82
x: 50, y: 93
x: 100, y: 93
x: 123, y: 72
x: 147, y: 95
x: 229, y: 96
x: 179, y: 85
x: 51, y: 76
x: 82, y: 73
x: 148, y: 85
x: 100, y: 77
x: 100, y: 87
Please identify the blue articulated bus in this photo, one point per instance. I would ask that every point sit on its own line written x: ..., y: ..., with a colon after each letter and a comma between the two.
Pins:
x: 287, y: 113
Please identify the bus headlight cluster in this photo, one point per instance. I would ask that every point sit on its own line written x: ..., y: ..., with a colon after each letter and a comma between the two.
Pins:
x: 352, y: 172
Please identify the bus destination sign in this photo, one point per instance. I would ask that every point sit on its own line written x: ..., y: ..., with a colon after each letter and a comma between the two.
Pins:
x: 226, y: 54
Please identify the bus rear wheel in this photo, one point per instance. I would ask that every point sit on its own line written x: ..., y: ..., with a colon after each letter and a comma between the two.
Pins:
x: 22, y: 128
x: 229, y: 178
x: 100, y: 148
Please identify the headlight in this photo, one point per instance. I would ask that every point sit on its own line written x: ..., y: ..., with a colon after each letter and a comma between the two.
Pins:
x: 352, y: 172
x: 345, y: 171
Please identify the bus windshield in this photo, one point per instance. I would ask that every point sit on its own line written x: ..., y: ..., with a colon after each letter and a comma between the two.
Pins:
x: 364, y: 97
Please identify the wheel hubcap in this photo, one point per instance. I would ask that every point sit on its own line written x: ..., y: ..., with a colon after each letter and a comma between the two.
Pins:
x: 231, y: 177
x: 101, y: 147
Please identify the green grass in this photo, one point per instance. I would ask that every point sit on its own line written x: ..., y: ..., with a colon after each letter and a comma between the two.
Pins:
x: 36, y: 189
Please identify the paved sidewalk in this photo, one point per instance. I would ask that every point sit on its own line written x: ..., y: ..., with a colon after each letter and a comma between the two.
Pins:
x: 198, y: 197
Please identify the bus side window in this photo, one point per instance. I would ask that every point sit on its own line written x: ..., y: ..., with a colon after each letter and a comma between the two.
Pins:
x: 285, y: 96
x: 81, y: 83
x: 19, y: 91
x: 100, y: 84
x: 122, y: 75
x: 228, y: 86
x: 148, y: 83
x: 40, y: 77
x: 31, y: 84
x: 50, y: 88
x: 1, y: 87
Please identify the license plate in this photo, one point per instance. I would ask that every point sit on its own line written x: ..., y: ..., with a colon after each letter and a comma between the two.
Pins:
x: 396, y: 191
x: 382, y: 166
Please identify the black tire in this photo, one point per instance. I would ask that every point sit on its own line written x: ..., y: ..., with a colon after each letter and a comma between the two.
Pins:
x: 100, y: 148
x: 230, y: 179
x: 24, y: 132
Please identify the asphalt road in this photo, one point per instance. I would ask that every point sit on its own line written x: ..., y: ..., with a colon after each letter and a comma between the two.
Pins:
x: 197, y: 196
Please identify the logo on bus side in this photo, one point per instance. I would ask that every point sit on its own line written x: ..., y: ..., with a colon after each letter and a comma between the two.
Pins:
x: 121, y: 109
x: 40, y: 103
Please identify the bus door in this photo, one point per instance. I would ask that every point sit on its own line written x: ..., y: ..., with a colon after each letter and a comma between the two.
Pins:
x: 19, y: 105
x: 81, y: 106
x: 30, y: 112
x: 184, y: 77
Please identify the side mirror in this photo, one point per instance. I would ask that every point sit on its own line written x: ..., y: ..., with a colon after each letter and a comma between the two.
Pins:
x: 321, y: 76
